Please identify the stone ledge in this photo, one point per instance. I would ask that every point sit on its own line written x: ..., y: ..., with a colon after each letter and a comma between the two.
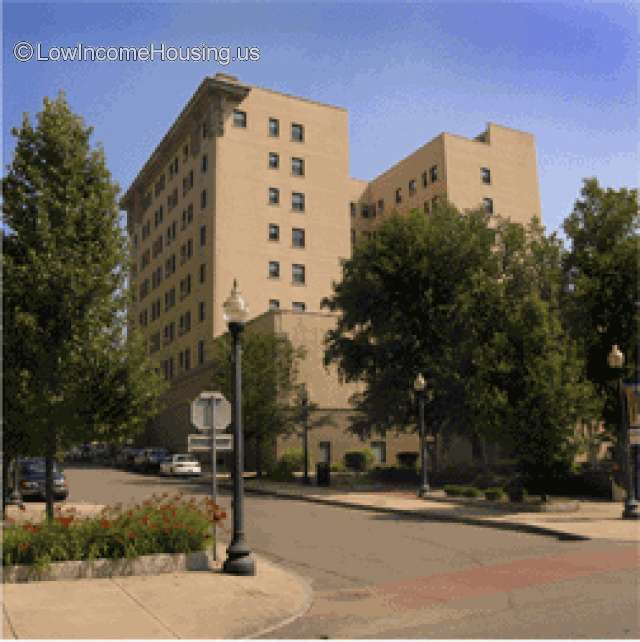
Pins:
x: 102, y: 568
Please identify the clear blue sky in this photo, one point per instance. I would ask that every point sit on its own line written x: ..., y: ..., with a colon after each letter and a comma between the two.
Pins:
x: 406, y: 72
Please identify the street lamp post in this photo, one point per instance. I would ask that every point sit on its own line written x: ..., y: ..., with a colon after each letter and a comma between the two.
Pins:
x: 15, y: 498
x: 420, y: 387
x: 239, y: 560
x: 304, y: 402
x: 631, y: 508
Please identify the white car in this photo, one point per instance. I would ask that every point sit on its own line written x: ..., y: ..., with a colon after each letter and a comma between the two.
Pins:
x: 180, y: 465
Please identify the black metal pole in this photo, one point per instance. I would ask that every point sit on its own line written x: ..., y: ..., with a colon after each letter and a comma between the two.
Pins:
x: 16, y: 495
x: 305, y: 419
x: 424, y: 488
x: 239, y: 560
x: 631, y: 507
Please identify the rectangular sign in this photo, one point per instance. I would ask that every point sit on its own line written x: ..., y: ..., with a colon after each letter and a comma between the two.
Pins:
x: 202, y: 443
x: 634, y: 436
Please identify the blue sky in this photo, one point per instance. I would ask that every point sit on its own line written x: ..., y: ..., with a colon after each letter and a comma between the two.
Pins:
x: 406, y: 72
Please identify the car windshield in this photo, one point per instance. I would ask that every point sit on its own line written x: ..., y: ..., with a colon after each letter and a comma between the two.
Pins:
x: 185, y: 458
x: 36, y: 467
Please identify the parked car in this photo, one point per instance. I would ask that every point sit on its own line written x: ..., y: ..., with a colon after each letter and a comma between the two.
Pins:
x: 149, y: 459
x: 128, y: 457
x: 32, y: 480
x: 181, y: 464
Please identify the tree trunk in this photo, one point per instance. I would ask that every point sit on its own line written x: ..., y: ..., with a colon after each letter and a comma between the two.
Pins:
x: 5, y: 483
x: 259, y: 455
x: 48, y: 462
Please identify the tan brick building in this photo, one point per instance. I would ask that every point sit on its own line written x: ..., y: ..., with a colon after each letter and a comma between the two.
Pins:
x: 254, y: 184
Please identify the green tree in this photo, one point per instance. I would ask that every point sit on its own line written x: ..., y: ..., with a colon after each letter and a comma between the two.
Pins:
x: 72, y: 373
x: 602, y: 268
x: 269, y: 374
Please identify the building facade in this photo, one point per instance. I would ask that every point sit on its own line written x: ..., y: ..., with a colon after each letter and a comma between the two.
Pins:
x: 254, y: 185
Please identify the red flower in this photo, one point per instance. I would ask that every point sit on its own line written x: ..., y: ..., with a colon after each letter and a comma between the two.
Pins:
x: 131, y: 535
x: 65, y: 521
x: 23, y: 546
x: 105, y: 523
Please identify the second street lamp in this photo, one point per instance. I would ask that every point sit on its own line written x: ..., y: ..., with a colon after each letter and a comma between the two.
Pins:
x: 304, y: 403
x: 239, y: 560
x: 615, y: 360
x: 420, y: 387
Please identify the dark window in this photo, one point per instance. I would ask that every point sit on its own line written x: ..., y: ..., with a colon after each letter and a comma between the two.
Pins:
x: 353, y: 237
x: 274, y: 270
x: 274, y: 304
x: 201, y: 311
x: 297, y: 201
x: 203, y: 199
x: 412, y: 187
x: 298, y: 273
x: 205, y: 162
x: 487, y: 203
x: 325, y: 452
x: 297, y: 237
x: 203, y: 272
x: 274, y: 127
x: 379, y: 449
x: 399, y: 195
x: 381, y: 206
x: 353, y: 208
x: 297, y: 132
x: 239, y: 118
x: 187, y: 359
x: 433, y: 172
x: 200, y: 352
x: 274, y: 196
x: 297, y: 166
x: 298, y: 306
x: 203, y: 235
x: 274, y: 232
x: 485, y: 173
x: 364, y: 211
x: 274, y: 160
x: 424, y: 179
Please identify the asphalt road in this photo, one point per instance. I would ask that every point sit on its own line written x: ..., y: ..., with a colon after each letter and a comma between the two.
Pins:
x: 383, y: 576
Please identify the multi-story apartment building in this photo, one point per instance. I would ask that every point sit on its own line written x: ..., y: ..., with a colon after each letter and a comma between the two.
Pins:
x: 254, y: 185
x: 495, y: 170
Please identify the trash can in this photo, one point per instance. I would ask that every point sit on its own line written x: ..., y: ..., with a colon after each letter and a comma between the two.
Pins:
x: 323, y: 474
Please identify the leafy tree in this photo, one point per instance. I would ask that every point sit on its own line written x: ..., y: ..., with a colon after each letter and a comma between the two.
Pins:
x: 269, y: 373
x: 602, y: 270
x: 71, y: 373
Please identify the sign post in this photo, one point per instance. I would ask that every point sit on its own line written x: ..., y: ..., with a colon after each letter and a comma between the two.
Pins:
x: 210, y: 413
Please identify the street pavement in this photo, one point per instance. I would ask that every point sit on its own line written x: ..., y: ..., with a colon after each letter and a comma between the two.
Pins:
x: 388, y: 574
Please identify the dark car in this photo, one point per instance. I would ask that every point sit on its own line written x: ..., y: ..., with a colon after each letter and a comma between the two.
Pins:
x: 32, y: 480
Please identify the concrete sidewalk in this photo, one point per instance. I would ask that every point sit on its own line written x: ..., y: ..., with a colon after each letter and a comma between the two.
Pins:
x: 204, y: 604
x: 593, y: 519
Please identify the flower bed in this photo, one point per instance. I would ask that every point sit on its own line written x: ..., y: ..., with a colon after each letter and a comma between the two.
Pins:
x: 161, y: 524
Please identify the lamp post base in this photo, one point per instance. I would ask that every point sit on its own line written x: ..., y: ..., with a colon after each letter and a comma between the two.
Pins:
x: 15, y: 499
x: 424, y: 491
x: 631, y: 510
x: 239, y: 561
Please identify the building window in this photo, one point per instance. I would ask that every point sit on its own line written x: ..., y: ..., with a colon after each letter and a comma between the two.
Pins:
x: 203, y: 272
x: 298, y: 306
x: 353, y: 209
x: 239, y: 118
x: 298, y: 274
x: 274, y: 270
x: 203, y: 199
x: 433, y: 172
x: 274, y: 232
x: 201, y: 311
x: 434, y: 202
x: 364, y: 212
x: 424, y: 179
x: 274, y: 160
x: 203, y: 235
x: 399, y: 195
x: 353, y: 237
x: 485, y: 173
x: 274, y: 127
x: 379, y: 450
x: 412, y: 187
x: 200, y: 352
x: 297, y: 237
x: 297, y: 133
x: 297, y: 201
x: 381, y: 205
x: 187, y: 359
x: 205, y: 163
x: 274, y: 304
x: 487, y: 204
x: 274, y: 196
x: 324, y: 455
x: 297, y: 167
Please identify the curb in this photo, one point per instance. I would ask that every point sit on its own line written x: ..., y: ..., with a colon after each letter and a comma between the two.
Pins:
x: 428, y: 516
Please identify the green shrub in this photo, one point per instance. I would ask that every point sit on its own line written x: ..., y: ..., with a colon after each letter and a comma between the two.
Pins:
x: 487, y: 480
x: 338, y: 467
x: 290, y: 462
x: 393, y: 475
x: 454, y: 491
x: 407, y: 459
x: 470, y: 491
x: 159, y: 525
x: 358, y: 460
x: 494, y: 494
